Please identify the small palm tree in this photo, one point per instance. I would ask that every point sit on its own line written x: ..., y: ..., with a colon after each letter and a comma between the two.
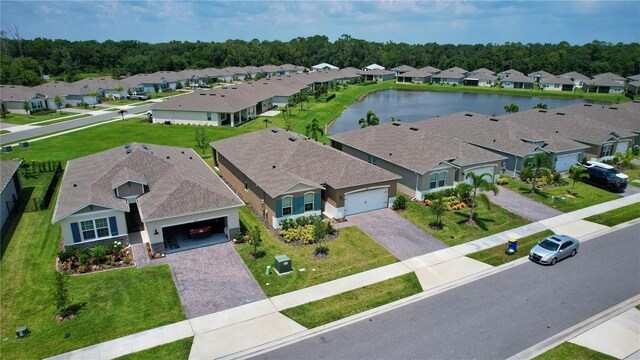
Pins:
x: 371, y: 120
x: 540, y: 163
x: 577, y: 173
x: 541, y: 106
x: 314, y: 130
x: 122, y: 112
x: 512, y: 108
x: 624, y: 160
x: 437, y: 209
x: 478, y: 182
x: 266, y: 122
x: 393, y: 119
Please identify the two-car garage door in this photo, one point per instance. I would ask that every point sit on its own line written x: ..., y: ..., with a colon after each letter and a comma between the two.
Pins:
x: 565, y: 162
x: 480, y: 171
x: 365, y: 200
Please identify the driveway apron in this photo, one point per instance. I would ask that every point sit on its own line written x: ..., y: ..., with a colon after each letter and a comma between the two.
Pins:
x: 395, y: 233
x: 211, y: 279
x: 523, y: 206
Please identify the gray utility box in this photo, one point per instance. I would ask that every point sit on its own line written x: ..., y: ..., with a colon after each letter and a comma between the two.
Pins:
x: 7, y: 148
x: 282, y: 264
x: 24, y: 144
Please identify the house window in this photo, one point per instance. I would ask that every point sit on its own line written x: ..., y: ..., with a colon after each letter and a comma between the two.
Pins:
x: 246, y: 184
x: 92, y: 229
x: 287, y: 205
x: 208, y: 116
x: 371, y: 159
x: 443, y: 179
x: 606, y: 150
x: 309, y: 201
x: 433, y: 181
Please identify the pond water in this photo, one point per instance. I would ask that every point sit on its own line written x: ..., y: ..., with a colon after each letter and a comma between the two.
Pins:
x: 410, y: 106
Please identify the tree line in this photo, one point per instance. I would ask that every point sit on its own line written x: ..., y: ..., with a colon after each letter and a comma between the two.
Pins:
x: 22, y: 62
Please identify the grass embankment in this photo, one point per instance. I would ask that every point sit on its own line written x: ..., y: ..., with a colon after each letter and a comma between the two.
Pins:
x: 177, y: 350
x: 634, y: 175
x: 352, y: 302
x: 455, y: 231
x: 23, y: 119
x: 111, y: 304
x: 585, y: 195
x: 496, y: 256
x: 63, y: 120
x: 572, y: 351
x: 350, y: 253
x: 617, y: 216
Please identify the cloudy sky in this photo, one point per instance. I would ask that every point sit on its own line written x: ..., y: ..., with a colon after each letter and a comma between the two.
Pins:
x: 456, y: 22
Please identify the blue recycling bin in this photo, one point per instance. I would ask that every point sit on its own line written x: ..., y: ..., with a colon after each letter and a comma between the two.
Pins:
x: 513, y: 244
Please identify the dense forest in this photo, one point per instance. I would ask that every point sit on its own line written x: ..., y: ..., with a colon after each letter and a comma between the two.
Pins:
x: 24, y: 61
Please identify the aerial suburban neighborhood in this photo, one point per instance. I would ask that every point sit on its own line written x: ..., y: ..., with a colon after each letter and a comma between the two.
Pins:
x: 179, y: 181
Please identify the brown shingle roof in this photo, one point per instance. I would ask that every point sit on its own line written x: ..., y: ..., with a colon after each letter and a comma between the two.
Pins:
x: 275, y: 163
x: 180, y: 183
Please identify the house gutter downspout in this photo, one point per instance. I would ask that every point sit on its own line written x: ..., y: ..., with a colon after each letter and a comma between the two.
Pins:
x: 515, y: 167
x: 417, y: 177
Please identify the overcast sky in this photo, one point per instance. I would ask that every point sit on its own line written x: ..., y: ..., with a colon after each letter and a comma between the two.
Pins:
x: 456, y: 22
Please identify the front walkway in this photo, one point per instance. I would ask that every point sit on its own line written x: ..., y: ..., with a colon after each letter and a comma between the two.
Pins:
x: 522, y: 205
x: 397, y: 234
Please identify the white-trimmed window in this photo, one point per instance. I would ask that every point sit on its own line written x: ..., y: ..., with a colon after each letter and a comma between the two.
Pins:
x: 93, y: 229
x: 606, y: 150
x: 442, y: 179
x: 287, y: 205
x: 208, y: 116
x: 309, y: 201
x: 433, y: 181
x: 437, y: 179
x: 371, y: 159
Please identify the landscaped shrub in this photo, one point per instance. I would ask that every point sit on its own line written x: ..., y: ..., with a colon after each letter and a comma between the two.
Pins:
x: 446, y: 192
x: 302, y: 234
x: 238, y: 239
x: 43, y: 111
x: 83, y: 259
x: 400, y: 203
x: 66, y: 254
x: 503, y: 180
x: 99, y: 254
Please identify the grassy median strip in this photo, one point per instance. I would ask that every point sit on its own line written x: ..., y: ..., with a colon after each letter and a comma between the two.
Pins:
x: 177, y: 350
x: 352, y: 302
x: 496, y: 256
x: 572, y: 351
x: 63, y: 120
x: 617, y: 216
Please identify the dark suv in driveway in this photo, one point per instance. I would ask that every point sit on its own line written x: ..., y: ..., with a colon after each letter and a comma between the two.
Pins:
x: 606, y: 178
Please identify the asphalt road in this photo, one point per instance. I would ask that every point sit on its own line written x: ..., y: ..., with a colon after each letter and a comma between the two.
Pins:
x: 44, y: 130
x: 495, y: 317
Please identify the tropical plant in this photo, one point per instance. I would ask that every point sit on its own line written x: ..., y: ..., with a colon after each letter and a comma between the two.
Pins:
x: 314, y: 130
x: 624, y: 161
x: 58, y: 101
x: 256, y: 240
x: 577, y: 173
x: 266, y: 122
x: 400, y: 203
x: 156, y: 88
x: 179, y: 85
x: 291, y: 102
x: 202, y: 140
x: 26, y: 107
x: 512, y: 108
x: 437, y: 208
x: 541, y: 105
x: 540, y: 165
x: 393, y: 119
x: 60, y: 293
x: 370, y: 120
x: 121, y: 113
x: 479, y: 183
x: 463, y: 192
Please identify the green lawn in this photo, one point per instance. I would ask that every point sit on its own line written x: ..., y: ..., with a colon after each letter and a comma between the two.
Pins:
x: 63, y: 120
x: 574, y: 352
x: 617, y: 216
x: 350, y: 253
x: 35, y: 184
x: 111, y: 109
x: 4, y: 131
x: 23, y: 119
x: 496, y: 255
x: 587, y: 195
x: 634, y: 174
x: 177, y: 350
x: 455, y: 232
x: 112, y: 304
x: 158, y: 95
x: 352, y: 302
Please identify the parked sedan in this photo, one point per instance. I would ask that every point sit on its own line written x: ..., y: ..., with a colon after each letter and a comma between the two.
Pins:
x: 554, y: 248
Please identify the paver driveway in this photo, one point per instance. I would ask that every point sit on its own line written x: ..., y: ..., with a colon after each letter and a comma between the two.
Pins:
x: 211, y: 279
x: 395, y: 233
x: 523, y: 206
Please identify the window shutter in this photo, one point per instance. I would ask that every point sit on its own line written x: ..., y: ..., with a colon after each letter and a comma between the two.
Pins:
x: 298, y: 204
x: 279, y: 208
x: 316, y: 202
x: 113, y: 224
x: 75, y: 231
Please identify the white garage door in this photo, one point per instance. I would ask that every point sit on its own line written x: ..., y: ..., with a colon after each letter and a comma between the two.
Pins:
x: 565, y: 162
x: 622, y: 147
x: 479, y: 171
x: 366, y: 200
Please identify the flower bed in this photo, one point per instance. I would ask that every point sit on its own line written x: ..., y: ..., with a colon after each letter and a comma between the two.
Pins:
x: 450, y: 203
x: 98, y: 258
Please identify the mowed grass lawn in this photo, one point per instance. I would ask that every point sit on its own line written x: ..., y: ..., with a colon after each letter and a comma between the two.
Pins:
x: 634, y: 175
x: 177, y: 350
x: 572, y: 351
x: 455, y: 231
x: 350, y: 253
x: 23, y: 119
x: 496, y: 256
x: 112, y: 304
x: 587, y: 195
x: 352, y: 302
x: 617, y: 216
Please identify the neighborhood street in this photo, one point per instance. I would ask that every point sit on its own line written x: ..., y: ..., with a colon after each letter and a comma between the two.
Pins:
x: 495, y: 317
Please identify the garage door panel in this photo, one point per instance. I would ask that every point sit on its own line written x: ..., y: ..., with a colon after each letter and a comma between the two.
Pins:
x: 565, y: 162
x: 622, y: 147
x: 366, y: 200
x: 479, y: 171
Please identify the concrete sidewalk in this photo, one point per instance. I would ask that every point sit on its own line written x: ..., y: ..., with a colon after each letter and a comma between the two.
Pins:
x: 239, y: 329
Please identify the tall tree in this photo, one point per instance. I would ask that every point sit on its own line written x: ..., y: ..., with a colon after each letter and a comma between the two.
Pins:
x: 480, y: 183
x: 121, y: 112
x: 577, y: 173
x: 26, y: 107
x: 58, y: 101
x: 314, y: 130
x: 202, y: 140
x: 370, y: 120
x: 540, y: 165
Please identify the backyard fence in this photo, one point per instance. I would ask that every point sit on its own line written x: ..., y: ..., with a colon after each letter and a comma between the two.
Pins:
x: 43, y: 202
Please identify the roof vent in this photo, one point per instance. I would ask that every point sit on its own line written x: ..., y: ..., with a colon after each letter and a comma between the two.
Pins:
x: 390, y: 154
x: 127, y: 146
x: 274, y: 131
x: 556, y: 131
x: 168, y: 157
x: 190, y: 157
x: 561, y: 114
x: 589, y: 105
x: 542, y: 111
x: 494, y: 119
x: 494, y: 140
x: 413, y: 128
x: 221, y: 95
x: 395, y: 124
x: 273, y: 166
x: 234, y: 88
x: 75, y: 185
x: 468, y: 114
x: 202, y: 94
x: 182, y: 152
x: 127, y: 151
x: 145, y: 147
x: 293, y: 138
x: 613, y: 108
x: 212, y: 94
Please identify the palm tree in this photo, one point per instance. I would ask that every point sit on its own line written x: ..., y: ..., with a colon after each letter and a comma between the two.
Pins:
x: 27, y: 108
x: 541, y: 106
x: 437, y: 209
x: 314, y: 130
x: 624, y: 160
x: 540, y: 164
x: 478, y: 182
x: 371, y: 120
x: 512, y: 108
x: 266, y: 122
x: 393, y: 119
x: 284, y: 113
x: 122, y: 112
x: 577, y: 173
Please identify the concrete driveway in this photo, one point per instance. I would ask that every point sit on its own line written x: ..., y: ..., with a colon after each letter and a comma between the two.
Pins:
x: 211, y: 279
x: 395, y: 233
x: 523, y: 206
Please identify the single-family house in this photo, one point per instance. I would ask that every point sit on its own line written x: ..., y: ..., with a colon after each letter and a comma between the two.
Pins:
x: 12, y: 98
x: 348, y: 75
x: 374, y: 67
x: 503, y: 74
x: 323, y: 66
x: 377, y: 75
x: 290, y: 69
x: 633, y: 87
x: 481, y: 77
x: 603, y: 85
x: 451, y: 76
x: 577, y: 78
x: 611, y: 76
x: 253, y: 71
x: 284, y: 175
x: 402, y: 69
x: 10, y: 187
x: 556, y: 83
x: 633, y: 78
x: 272, y: 70
x: 540, y: 75
x: 106, y: 87
x: 426, y: 160
x: 414, y: 76
x: 430, y: 69
x: 167, y: 194
x: 149, y: 82
x: 71, y: 93
x: 516, y: 81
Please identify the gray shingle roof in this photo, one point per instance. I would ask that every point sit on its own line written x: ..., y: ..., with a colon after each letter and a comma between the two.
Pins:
x: 556, y: 80
x: 603, y: 81
x: 7, y: 169
x: 18, y: 93
x: 634, y: 77
x: 376, y: 72
x: 404, y: 68
x: 61, y: 88
x: 180, y: 183
x: 574, y: 75
x: 275, y: 163
x: 541, y: 73
x: 430, y: 69
x: 610, y: 76
x: 517, y: 77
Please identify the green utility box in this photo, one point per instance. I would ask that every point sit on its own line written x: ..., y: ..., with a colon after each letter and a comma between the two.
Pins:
x: 282, y: 264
